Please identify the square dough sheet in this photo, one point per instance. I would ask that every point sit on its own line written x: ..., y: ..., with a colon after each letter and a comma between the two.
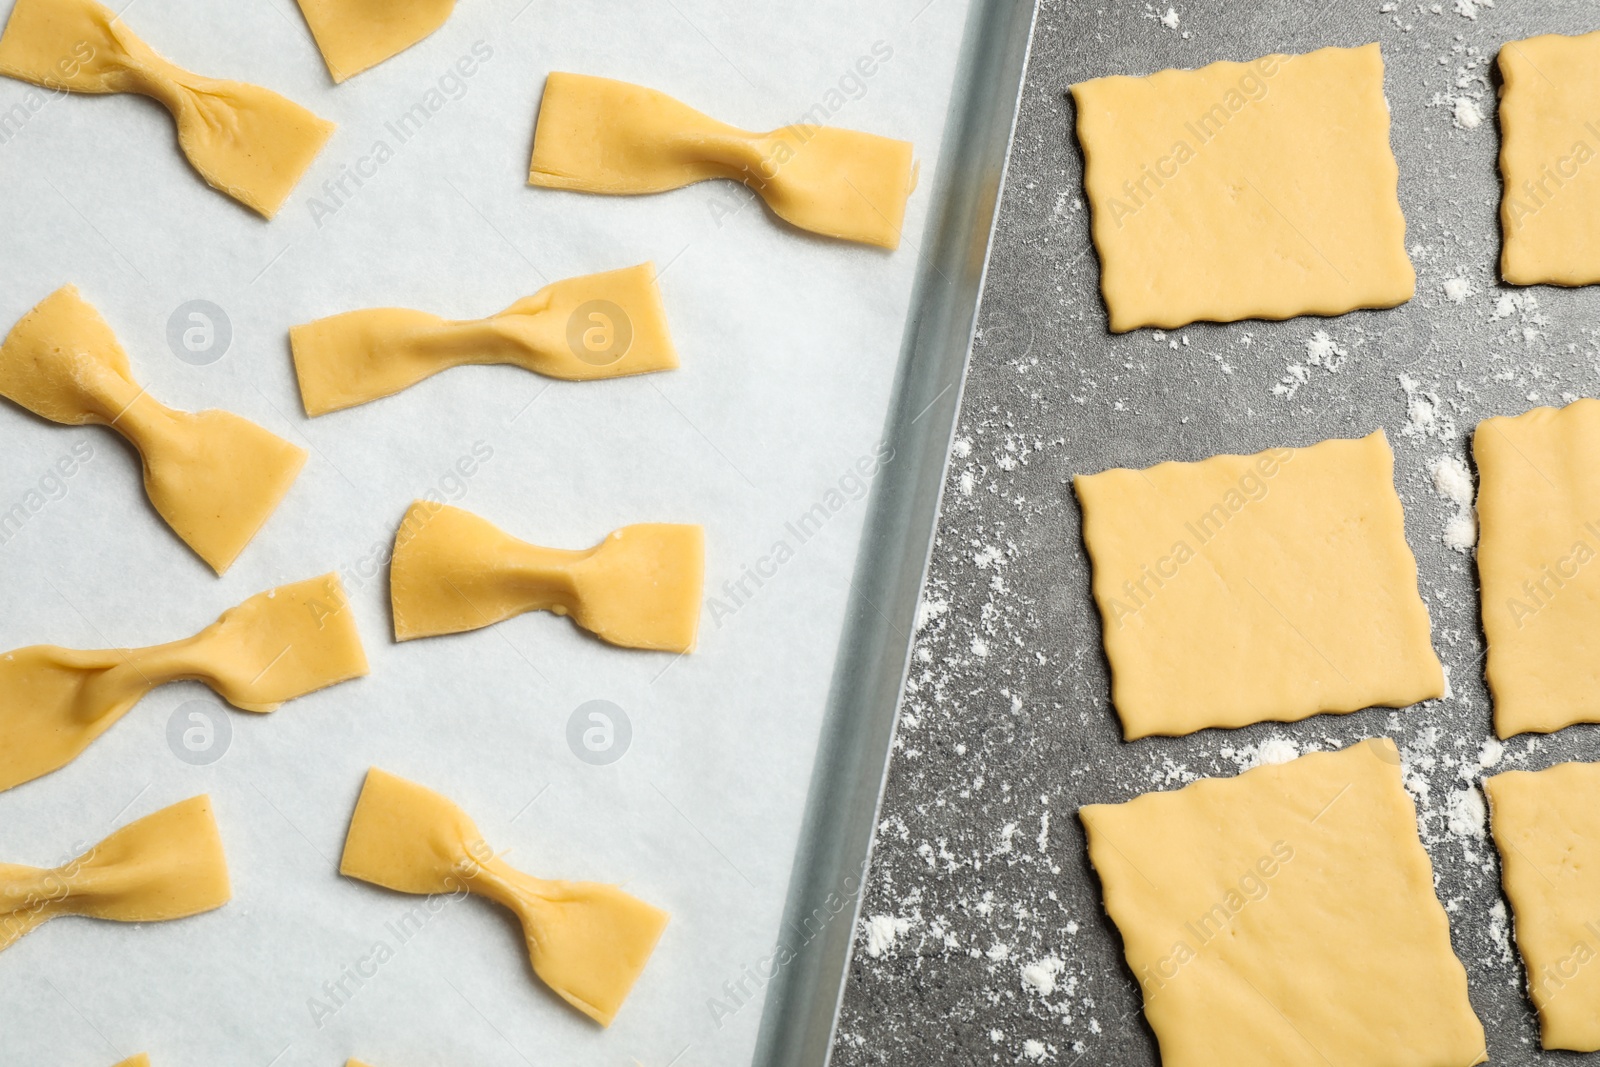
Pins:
x: 1546, y: 825
x: 1245, y: 190
x: 1539, y: 523
x: 1287, y: 918
x: 1549, y: 142
x: 1242, y: 589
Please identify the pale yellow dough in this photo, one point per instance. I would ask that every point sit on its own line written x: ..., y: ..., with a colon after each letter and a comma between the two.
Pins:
x: 354, y: 35
x: 245, y: 141
x: 1245, y: 190
x: 588, y: 942
x: 595, y: 326
x: 1546, y: 825
x: 1550, y: 141
x: 213, y: 476
x: 1539, y: 521
x: 168, y: 865
x: 1286, y: 918
x: 141, y: 1060
x: 1249, y: 588
x: 278, y: 645
x: 453, y: 571
x: 596, y: 135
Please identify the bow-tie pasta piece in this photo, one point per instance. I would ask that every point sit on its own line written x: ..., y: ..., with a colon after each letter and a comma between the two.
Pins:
x: 453, y: 571
x: 213, y: 476
x: 596, y: 135
x: 276, y: 646
x: 588, y: 942
x: 354, y: 35
x: 141, y: 1060
x: 596, y: 326
x: 245, y: 141
x: 168, y: 865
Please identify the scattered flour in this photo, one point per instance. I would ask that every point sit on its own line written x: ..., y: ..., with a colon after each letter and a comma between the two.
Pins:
x: 1453, y: 481
x: 1466, y: 117
x: 1276, y: 750
x: 1169, y: 18
x: 882, y: 932
x: 1270, y: 751
x: 1458, y: 289
x: 1040, y: 975
x: 1034, y: 1051
x: 1321, y: 351
x: 1499, y: 931
x: 1296, y: 375
x: 1465, y: 813
x: 1425, y: 416
x: 1468, y: 9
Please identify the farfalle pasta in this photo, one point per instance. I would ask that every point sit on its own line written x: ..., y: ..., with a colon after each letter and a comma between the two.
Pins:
x: 639, y: 588
x: 213, y: 476
x: 597, y: 135
x: 354, y: 35
x: 595, y: 326
x: 278, y: 645
x: 588, y: 942
x: 168, y: 865
x: 245, y: 141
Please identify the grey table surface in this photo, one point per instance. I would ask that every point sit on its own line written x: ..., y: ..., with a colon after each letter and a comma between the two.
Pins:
x: 984, y: 938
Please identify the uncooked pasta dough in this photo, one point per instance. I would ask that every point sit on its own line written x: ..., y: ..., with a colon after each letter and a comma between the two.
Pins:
x: 1287, y: 918
x: 1248, y: 588
x: 1262, y: 190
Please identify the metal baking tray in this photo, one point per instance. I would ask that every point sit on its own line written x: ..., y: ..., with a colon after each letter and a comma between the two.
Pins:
x: 1027, y: 732
x: 815, y: 404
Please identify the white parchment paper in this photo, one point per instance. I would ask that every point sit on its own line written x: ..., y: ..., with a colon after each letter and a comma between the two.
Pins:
x: 789, y: 347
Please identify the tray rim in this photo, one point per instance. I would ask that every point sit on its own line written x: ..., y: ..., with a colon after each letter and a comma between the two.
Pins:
x: 850, y: 772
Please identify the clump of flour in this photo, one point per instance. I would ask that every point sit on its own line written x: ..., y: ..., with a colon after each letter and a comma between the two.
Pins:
x: 1040, y: 975
x: 1453, y: 482
x: 883, y: 931
x: 1321, y: 351
x: 1425, y: 414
